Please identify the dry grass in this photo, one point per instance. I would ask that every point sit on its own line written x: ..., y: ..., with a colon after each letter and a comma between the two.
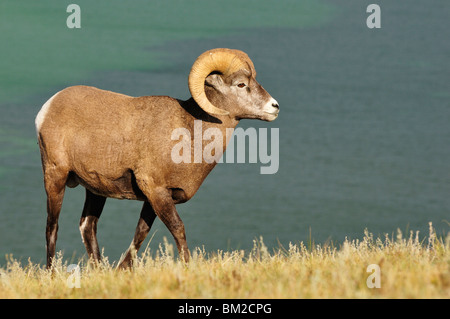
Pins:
x: 410, y: 268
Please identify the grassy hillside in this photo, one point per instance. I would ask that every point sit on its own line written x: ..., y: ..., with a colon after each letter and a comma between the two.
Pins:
x: 409, y: 268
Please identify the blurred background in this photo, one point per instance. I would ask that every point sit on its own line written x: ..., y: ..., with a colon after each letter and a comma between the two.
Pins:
x: 364, y: 122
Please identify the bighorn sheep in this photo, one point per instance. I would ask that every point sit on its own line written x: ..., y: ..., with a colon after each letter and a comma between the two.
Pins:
x: 120, y: 146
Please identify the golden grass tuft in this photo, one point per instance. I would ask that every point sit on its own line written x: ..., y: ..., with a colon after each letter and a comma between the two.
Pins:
x: 410, y: 268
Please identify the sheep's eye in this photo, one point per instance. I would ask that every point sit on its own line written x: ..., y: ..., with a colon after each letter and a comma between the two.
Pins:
x: 241, y: 85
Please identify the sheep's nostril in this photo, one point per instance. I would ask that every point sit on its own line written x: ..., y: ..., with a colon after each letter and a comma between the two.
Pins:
x: 276, y: 105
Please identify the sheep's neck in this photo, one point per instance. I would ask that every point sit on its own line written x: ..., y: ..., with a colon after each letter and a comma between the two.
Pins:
x: 203, y: 121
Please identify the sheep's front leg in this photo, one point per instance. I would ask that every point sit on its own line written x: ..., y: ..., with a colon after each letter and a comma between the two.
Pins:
x: 161, y: 200
x: 142, y: 229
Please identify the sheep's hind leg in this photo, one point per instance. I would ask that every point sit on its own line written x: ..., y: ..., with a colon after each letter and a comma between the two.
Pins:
x: 142, y: 229
x: 92, y: 210
x: 54, y: 181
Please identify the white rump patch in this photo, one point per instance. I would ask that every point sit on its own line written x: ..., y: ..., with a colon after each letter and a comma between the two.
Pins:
x: 42, y: 113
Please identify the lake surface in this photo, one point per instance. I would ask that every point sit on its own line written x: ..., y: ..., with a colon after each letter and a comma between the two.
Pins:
x: 364, y: 134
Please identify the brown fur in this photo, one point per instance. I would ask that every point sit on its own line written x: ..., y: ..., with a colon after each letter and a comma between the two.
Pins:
x: 120, y: 147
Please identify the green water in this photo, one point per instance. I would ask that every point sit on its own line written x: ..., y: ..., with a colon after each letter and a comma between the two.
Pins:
x: 364, y: 122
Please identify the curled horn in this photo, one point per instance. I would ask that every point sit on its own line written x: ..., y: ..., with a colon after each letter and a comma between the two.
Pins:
x: 223, y: 61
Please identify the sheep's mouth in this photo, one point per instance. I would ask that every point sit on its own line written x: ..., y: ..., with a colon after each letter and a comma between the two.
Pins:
x: 272, y: 116
x: 273, y: 113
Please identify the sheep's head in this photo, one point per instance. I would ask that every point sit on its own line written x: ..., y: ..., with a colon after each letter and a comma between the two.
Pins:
x: 222, y: 82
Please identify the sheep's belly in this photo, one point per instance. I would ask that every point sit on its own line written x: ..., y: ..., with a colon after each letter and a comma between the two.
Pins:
x: 123, y: 187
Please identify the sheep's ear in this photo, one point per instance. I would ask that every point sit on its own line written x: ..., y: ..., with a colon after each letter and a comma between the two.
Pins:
x: 215, y: 80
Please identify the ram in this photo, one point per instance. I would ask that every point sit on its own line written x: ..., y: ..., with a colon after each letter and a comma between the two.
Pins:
x: 119, y: 146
